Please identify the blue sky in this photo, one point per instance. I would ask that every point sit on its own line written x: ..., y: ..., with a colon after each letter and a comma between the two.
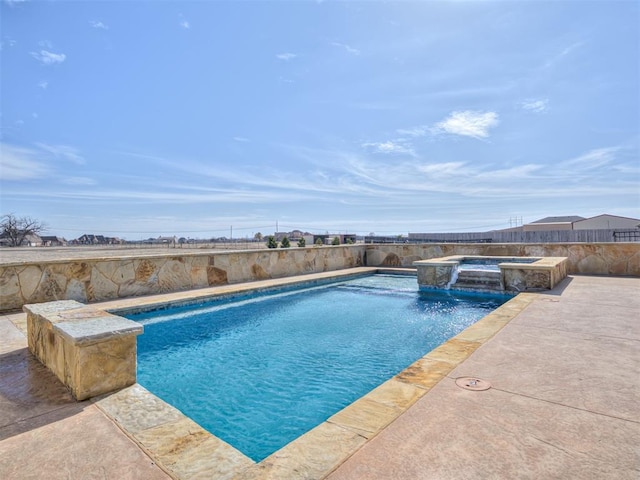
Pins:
x: 138, y: 119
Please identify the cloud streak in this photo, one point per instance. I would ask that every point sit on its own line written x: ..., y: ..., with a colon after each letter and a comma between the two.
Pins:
x: 48, y: 58
x: 98, y: 24
x: 18, y: 163
x: 536, y: 106
x: 63, y: 151
x: 286, y: 56
x: 468, y: 123
x: 347, y: 48
x: 388, y: 147
x: 592, y: 159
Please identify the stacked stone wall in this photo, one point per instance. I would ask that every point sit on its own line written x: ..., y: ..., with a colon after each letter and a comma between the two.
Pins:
x: 95, y: 279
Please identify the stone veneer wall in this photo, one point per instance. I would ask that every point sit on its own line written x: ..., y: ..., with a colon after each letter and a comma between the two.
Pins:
x: 582, y: 258
x: 96, y: 279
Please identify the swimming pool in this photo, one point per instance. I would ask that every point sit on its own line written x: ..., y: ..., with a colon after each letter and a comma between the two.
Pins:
x: 259, y: 370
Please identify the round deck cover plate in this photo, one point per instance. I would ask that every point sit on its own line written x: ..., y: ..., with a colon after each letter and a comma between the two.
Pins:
x: 473, y: 383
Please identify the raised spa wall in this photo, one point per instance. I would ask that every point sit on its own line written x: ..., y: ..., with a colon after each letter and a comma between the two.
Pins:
x: 97, y: 279
x: 514, y: 275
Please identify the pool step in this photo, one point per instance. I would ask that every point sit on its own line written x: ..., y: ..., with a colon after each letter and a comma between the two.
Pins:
x: 479, y: 280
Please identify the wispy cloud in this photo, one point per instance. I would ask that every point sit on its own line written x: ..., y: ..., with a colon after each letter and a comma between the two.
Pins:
x: 445, y: 169
x: 43, y: 84
x: 98, y: 24
x: 389, y: 147
x: 9, y: 42
x: 536, y: 106
x: 420, y: 131
x: 349, y: 49
x: 565, y: 51
x: 48, y: 58
x: 571, y: 48
x: 63, y: 151
x: 184, y: 23
x: 511, y: 173
x: 241, y: 139
x: 18, y: 163
x: 593, y: 159
x: 286, y: 56
x: 78, y: 181
x: 468, y: 123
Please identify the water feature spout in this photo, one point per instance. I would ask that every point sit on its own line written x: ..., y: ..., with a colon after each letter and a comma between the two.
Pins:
x: 454, y: 277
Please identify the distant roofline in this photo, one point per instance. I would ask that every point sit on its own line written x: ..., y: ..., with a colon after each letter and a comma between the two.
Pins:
x: 560, y: 219
x: 609, y: 215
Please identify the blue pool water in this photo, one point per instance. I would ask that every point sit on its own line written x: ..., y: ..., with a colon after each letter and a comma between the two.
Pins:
x: 489, y: 264
x: 260, y: 370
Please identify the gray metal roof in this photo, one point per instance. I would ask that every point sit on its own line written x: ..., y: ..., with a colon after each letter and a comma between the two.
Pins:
x: 567, y: 219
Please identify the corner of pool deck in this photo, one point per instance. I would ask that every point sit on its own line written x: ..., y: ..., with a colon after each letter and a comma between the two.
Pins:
x: 563, y: 402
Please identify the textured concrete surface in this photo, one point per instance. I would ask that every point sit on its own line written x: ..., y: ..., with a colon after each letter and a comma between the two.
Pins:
x: 45, y: 433
x: 564, y: 403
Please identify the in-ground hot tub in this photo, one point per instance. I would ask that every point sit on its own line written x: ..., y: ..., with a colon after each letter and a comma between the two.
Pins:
x: 500, y: 274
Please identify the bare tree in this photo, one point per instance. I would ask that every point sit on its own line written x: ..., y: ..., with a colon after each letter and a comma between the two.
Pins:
x: 15, y: 229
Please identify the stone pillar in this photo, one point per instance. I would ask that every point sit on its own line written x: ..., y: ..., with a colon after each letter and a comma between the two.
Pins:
x: 91, y: 351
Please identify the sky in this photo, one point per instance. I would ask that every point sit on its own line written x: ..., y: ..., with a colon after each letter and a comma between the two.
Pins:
x: 139, y: 119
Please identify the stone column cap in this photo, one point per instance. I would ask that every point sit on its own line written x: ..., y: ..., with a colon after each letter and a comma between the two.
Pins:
x: 97, y: 329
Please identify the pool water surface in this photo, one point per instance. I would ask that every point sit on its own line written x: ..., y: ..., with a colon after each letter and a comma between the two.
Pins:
x: 260, y: 370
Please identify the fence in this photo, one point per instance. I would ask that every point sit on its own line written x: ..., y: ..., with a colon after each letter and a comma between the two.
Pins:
x: 551, y: 236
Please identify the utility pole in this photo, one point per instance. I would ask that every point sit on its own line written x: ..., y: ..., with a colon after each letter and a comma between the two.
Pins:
x: 513, y: 221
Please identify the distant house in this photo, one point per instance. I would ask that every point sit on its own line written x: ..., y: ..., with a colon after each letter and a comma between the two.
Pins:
x: 294, y: 236
x: 162, y: 240
x: 48, y: 241
x: 87, y: 239
x: 90, y: 239
x: 29, y: 241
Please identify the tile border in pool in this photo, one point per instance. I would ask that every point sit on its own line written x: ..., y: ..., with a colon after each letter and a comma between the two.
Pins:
x: 183, y: 449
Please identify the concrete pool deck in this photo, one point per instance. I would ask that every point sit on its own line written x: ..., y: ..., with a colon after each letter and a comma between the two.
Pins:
x: 564, y: 403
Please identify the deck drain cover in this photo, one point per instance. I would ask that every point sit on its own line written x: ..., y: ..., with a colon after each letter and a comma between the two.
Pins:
x: 472, y: 383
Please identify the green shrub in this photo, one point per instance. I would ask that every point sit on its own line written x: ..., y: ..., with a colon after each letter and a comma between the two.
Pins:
x: 285, y: 243
x: 271, y: 242
x: 336, y: 241
x: 302, y: 242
